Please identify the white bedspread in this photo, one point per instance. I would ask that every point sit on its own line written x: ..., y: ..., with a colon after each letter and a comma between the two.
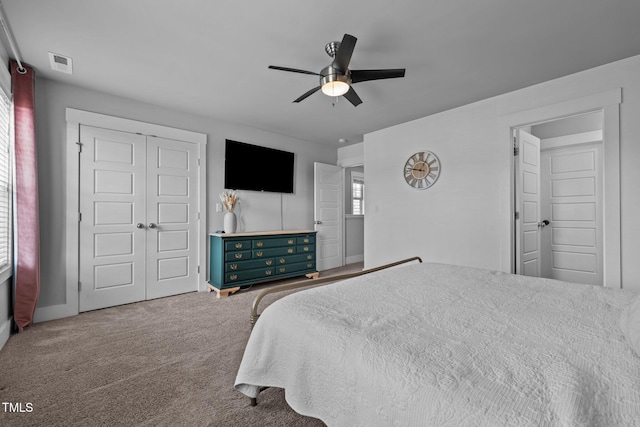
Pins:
x: 440, y: 345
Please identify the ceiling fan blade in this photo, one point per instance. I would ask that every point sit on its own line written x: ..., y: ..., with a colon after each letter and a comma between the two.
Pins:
x: 307, y: 94
x: 293, y: 70
x: 343, y: 56
x: 364, y: 75
x: 353, y: 97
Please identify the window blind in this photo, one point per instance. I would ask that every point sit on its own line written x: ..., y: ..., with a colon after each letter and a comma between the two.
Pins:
x: 357, y: 196
x: 5, y: 181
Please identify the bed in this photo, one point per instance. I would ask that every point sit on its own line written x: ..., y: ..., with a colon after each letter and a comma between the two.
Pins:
x: 441, y: 345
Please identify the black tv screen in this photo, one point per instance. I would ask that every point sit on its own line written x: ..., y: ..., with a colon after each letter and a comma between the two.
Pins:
x: 256, y: 168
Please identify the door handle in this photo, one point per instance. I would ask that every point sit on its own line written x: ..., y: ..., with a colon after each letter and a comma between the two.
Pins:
x: 152, y: 225
x: 543, y: 223
x: 317, y: 222
x: 139, y: 225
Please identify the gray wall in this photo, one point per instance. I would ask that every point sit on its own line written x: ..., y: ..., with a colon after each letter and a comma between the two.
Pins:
x: 257, y: 211
x: 568, y: 126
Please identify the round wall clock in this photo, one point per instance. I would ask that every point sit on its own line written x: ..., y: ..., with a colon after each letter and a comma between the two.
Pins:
x: 422, y: 170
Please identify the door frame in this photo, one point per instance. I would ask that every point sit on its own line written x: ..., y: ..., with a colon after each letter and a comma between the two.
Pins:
x: 609, y: 103
x: 74, y: 119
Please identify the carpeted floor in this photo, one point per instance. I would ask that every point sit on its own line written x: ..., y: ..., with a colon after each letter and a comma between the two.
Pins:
x: 165, y: 362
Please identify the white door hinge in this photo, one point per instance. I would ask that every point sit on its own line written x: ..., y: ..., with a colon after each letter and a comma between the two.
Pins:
x: 79, y: 216
x: 517, y: 215
x: 79, y: 144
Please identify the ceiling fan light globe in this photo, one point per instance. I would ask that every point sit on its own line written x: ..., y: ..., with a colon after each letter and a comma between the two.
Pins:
x: 335, y: 88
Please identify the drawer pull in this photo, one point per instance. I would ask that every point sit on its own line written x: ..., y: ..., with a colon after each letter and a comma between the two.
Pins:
x: 259, y: 244
x: 290, y: 250
x: 309, y: 265
x: 306, y: 249
x: 233, y: 266
x: 238, y: 255
x: 259, y: 253
x: 290, y: 241
x: 282, y: 260
x: 282, y: 269
x: 238, y: 245
x: 309, y: 256
x: 233, y: 277
x: 268, y: 272
x: 269, y: 262
x: 305, y: 241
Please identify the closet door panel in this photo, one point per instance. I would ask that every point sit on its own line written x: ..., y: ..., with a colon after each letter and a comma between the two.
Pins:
x: 112, y: 203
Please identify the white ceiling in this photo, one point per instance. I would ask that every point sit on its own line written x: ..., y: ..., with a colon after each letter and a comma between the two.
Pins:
x: 210, y: 57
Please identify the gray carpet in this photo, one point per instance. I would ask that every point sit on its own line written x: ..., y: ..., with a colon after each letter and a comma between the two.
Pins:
x: 165, y: 362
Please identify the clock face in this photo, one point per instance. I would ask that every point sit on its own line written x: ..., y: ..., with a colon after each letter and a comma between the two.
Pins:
x: 422, y: 170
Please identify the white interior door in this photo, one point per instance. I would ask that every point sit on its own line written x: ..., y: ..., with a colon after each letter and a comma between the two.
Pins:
x: 528, y: 204
x: 572, y: 201
x: 139, y: 218
x: 172, y: 217
x: 112, y: 203
x: 328, y: 215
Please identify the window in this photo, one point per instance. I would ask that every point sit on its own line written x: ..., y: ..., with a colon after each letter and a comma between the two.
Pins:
x: 5, y: 182
x: 357, y: 193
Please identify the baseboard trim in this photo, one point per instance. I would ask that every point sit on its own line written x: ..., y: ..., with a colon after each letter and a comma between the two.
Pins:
x: 5, y: 332
x: 354, y: 258
x: 53, y: 312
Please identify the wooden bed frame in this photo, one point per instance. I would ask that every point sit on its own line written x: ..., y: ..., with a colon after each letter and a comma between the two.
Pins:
x: 304, y: 283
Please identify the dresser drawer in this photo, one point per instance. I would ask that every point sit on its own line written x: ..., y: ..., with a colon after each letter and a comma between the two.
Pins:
x: 273, y: 252
x: 299, y: 266
x: 273, y: 243
x: 305, y: 240
x: 237, y: 255
x: 248, y: 265
x: 237, y: 245
x: 258, y: 273
x: 294, y: 258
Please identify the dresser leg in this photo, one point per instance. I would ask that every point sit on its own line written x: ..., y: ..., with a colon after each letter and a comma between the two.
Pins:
x: 313, y: 275
x: 223, y: 293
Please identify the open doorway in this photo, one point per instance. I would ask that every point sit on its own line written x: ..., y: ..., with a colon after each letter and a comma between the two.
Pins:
x: 354, y: 214
x: 559, y: 199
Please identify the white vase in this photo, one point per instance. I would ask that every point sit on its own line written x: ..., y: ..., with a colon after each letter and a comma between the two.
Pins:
x: 230, y: 222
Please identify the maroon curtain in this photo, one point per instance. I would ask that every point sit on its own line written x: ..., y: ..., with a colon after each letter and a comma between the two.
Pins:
x: 26, y: 230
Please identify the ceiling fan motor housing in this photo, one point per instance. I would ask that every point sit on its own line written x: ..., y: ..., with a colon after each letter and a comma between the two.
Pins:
x: 329, y: 74
x: 334, y: 82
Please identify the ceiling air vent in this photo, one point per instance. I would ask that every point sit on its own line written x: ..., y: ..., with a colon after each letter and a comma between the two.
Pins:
x: 60, y: 63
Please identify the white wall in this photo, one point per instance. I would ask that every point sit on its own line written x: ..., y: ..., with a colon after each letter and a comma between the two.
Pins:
x: 257, y: 211
x: 465, y: 218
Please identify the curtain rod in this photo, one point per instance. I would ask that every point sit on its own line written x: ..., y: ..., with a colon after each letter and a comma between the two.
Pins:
x: 12, y: 45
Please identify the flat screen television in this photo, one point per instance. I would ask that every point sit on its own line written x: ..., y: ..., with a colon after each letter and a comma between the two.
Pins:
x: 256, y: 168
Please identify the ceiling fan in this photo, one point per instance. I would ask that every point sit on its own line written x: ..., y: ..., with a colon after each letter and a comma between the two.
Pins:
x: 336, y: 78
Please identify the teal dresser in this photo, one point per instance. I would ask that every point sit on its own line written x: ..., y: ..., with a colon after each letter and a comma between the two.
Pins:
x: 243, y: 259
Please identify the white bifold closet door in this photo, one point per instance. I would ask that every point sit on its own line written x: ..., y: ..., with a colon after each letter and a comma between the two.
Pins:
x: 138, y: 217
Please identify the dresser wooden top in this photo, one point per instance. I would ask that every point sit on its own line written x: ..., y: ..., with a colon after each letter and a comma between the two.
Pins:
x: 262, y: 233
